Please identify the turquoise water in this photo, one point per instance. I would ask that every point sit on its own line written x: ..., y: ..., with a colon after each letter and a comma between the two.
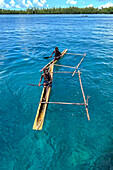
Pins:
x: 68, y: 140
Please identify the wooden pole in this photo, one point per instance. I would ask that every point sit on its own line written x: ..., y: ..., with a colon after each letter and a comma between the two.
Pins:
x: 78, y: 65
x: 64, y: 103
x: 85, y: 103
x: 63, y: 72
x: 74, y: 54
x: 63, y: 66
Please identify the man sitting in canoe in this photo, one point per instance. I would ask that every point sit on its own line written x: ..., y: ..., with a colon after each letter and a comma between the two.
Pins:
x: 47, y: 80
x: 57, y: 54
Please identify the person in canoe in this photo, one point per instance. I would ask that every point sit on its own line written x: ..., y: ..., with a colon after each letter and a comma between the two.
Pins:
x: 57, y: 54
x: 47, y: 80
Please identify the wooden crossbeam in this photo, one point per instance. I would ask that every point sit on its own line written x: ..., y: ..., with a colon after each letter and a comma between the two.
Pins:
x: 64, y: 103
x: 75, y: 54
x: 63, y: 66
x: 63, y: 72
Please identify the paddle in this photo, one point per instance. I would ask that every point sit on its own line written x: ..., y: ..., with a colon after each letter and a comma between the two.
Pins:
x: 34, y: 84
x: 46, y: 57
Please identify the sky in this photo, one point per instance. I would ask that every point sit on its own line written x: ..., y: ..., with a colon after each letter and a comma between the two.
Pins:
x: 24, y: 4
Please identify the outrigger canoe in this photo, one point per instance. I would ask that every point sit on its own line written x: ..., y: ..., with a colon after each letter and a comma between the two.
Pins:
x: 39, y: 119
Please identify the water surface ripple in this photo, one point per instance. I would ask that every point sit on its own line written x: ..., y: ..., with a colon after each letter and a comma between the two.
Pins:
x: 68, y: 140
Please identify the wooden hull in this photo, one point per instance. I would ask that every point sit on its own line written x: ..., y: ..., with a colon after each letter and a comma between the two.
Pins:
x: 39, y: 119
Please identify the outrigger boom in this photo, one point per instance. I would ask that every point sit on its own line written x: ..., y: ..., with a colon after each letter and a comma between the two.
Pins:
x: 39, y: 119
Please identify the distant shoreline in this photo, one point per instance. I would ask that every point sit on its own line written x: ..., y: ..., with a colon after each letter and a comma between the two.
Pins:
x: 70, y: 10
x: 52, y: 14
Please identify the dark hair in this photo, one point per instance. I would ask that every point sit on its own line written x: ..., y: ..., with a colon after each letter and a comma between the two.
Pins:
x: 45, y: 69
x: 56, y: 48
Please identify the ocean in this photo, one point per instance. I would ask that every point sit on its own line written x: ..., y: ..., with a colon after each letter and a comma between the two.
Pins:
x: 68, y: 141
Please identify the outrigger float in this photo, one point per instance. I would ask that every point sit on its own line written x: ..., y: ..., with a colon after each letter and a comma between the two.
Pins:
x: 39, y: 119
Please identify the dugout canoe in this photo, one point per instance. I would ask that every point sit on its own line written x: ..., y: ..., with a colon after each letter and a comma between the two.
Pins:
x: 39, y: 119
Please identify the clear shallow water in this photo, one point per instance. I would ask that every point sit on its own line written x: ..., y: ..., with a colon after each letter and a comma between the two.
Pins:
x: 68, y: 140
